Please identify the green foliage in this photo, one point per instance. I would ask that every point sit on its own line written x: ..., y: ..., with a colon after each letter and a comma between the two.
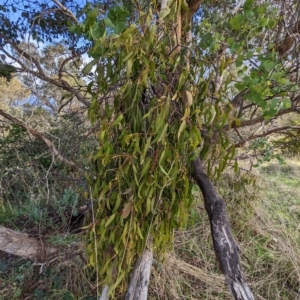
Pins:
x: 265, y: 151
x: 34, y: 188
x: 6, y: 71
x: 155, y: 102
x: 141, y: 180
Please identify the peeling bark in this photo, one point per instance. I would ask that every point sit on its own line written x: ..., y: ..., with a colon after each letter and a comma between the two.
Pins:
x: 226, y: 248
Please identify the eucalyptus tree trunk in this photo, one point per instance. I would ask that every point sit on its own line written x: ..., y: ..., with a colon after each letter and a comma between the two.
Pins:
x: 226, y: 248
x: 138, y: 287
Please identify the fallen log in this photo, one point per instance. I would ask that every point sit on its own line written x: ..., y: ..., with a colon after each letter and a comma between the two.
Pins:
x: 20, y: 244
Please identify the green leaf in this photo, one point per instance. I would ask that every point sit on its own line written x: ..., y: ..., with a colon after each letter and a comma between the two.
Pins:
x: 117, y: 204
x: 117, y: 120
x: 164, y: 171
x: 89, y: 67
x: 230, y: 41
x: 240, y: 60
x: 236, y: 166
x: 130, y: 62
x: 249, y: 54
x: 286, y: 103
x: 91, y: 19
x: 148, y: 143
x: 148, y: 205
x: 110, y: 219
x: 237, y: 21
x: 182, y: 79
x: 162, y: 134
x: 108, y: 23
x: 272, y: 24
x: 263, y: 22
x: 146, y: 167
x: 181, y: 128
x: 258, y: 87
x: 248, y: 5
x: 269, y: 64
x: 165, y: 12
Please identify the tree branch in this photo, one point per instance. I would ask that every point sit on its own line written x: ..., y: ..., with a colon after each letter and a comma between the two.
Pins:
x: 256, y: 120
x: 54, y: 151
x: 238, y: 99
x: 138, y: 287
x: 41, y: 75
x: 24, y: 53
x: 62, y: 84
x: 66, y: 11
x: 267, y: 133
x: 193, y: 7
x: 225, y: 246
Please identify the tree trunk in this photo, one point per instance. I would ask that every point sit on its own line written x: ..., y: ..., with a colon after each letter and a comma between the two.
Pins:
x: 138, y: 286
x: 226, y: 248
x: 139, y: 281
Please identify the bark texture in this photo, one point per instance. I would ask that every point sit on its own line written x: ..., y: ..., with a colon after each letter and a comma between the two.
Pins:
x: 226, y: 248
x: 138, y: 286
x: 20, y: 244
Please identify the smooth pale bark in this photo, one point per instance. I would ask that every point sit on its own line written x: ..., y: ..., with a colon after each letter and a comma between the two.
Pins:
x: 226, y: 248
x: 104, y: 294
x: 139, y: 281
x: 138, y: 286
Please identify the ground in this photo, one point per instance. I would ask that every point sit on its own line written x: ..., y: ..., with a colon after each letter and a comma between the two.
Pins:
x: 264, y: 210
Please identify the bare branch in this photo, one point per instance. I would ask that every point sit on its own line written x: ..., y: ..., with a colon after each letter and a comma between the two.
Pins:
x: 66, y: 11
x: 256, y: 120
x: 41, y: 75
x: 60, y: 71
x: 138, y: 287
x: 238, y: 6
x: 62, y: 84
x: 267, y: 133
x: 13, y: 58
x: 24, y: 53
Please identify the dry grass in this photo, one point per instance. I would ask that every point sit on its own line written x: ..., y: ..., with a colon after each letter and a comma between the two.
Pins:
x: 264, y: 211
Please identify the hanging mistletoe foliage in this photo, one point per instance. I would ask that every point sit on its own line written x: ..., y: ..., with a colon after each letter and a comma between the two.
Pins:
x: 147, y: 133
